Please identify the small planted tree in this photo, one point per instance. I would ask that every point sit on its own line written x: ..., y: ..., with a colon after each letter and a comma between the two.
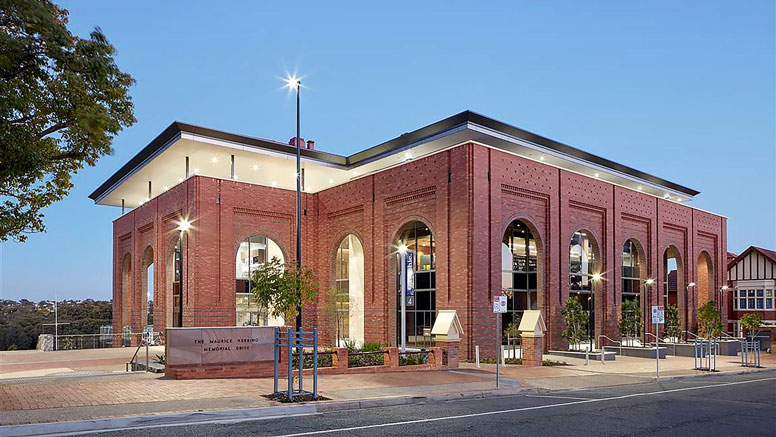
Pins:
x: 281, y: 288
x: 630, y: 323
x: 708, y: 320
x: 575, y: 320
x: 752, y: 324
x: 334, y: 303
x: 673, y: 328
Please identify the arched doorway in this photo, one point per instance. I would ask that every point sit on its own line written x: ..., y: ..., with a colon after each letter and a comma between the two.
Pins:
x: 147, y: 289
x: 519, y: 274
x: 349, y: 289
x: 251, y: 254
x: 126, y: 291
x: 674, y: 292
x: 583, y: 277
x: 633, y: 301
x: 417, y: 238
x: 705, y: 279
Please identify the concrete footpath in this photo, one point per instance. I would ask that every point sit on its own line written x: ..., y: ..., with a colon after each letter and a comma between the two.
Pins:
x: 83, y: 402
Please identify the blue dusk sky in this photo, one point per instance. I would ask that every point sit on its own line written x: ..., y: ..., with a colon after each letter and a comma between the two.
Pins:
x: 682, y: 90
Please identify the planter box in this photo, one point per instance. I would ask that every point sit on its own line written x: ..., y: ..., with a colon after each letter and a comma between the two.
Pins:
x: 593, y: 356
x: 641, y: 352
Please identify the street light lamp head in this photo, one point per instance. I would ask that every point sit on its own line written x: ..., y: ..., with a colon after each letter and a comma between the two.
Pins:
x: 649, y: 281
x: 597, y: 277
x: 293, y: 82
x: 402, y: 248
x: 184, y: 225
x: 691, y: 284
x: 724, y: 287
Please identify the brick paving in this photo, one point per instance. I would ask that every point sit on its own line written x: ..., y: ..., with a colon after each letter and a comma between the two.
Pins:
x: 47, y: 399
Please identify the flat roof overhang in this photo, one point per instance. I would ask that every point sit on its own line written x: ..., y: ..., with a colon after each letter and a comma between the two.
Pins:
x: 272, y: 163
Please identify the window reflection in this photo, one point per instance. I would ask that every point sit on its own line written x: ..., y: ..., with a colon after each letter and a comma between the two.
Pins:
x: 421, y: 309
x: 518, y: 272
x: 253, y: 252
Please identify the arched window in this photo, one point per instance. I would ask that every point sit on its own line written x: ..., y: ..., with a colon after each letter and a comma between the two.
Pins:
x: 147, y: 289
x: 671, y: 280
x: 421, y: 308
x: 631, y: 273
x: 252, y: 253
x: 518, y: 271
x: 631, y: 303
x: 126, y: 291
x: 349, y: 286
x: 582, y: 269
x: 177, y: 281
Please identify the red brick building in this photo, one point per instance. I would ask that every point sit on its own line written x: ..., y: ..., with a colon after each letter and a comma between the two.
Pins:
x: 751, y: 282
x: 484, y: 205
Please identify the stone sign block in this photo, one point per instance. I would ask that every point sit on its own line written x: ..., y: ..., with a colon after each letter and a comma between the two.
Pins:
x: 211, y: 346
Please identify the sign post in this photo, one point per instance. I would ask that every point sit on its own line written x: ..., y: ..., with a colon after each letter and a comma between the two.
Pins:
x: 406, y: 290
x: 499, y: 307
x: 658, y: 318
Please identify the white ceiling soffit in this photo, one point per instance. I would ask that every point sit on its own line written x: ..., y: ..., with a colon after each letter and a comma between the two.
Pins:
x: 211, y: 157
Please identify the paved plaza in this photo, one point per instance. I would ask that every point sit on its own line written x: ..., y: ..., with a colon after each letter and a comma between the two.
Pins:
x: 102, y: 390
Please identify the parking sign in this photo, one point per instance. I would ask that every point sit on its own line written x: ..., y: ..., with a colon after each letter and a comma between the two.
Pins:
x: 658, y: 314
x: 499, y: 304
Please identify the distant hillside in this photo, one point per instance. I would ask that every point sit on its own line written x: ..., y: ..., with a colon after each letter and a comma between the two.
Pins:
x: 21, y: 322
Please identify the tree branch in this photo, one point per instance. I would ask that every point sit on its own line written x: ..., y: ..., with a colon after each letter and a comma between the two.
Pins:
x: 53, y: 128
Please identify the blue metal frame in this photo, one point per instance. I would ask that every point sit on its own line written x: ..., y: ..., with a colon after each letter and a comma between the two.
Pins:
x: 291, y: 339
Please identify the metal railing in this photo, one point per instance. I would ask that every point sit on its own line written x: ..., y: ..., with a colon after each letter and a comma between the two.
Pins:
x: 686, y: 333
x: 148, y: 339
x: 708, y: 349
x: 602, y: 346
x: 750, y: 353
x: 103, y: 341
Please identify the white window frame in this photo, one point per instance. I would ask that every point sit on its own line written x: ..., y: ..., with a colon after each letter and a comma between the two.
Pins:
x: 745, y: 293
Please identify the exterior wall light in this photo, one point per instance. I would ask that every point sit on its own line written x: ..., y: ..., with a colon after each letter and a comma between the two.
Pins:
x: 184, y: 225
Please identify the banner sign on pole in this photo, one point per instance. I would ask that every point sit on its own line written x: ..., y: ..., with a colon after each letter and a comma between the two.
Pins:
x: 409, y: 268
x: 499, y: 304
x: 658, y: 315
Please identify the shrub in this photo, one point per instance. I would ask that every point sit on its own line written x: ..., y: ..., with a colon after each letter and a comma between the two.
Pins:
x: 413, y: 359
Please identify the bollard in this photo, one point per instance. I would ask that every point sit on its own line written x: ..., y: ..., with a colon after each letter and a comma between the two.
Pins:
x: 477, y: 355
x: 587, y: 356
x: 503, y: 356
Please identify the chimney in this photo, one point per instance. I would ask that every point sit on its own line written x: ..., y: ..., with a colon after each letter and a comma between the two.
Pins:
x: 292, y: 142
x: 310, y: 145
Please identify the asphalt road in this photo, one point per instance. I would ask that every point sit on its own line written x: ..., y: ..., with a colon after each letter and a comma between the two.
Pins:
x: 707, y: 406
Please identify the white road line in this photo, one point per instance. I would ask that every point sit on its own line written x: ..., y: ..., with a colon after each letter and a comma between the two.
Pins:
x: 514, y: 410
x: 557, y: 397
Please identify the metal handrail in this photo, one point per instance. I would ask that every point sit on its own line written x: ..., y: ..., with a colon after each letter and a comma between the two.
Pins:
x: 132, y: 361
x: 688, y: 332
x: 602, y: 345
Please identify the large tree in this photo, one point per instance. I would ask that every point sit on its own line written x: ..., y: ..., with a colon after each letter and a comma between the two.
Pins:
x: 62, y: 100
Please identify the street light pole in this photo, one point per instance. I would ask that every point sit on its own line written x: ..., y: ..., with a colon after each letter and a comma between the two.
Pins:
x: 719, y: 302
x: 298, y: 86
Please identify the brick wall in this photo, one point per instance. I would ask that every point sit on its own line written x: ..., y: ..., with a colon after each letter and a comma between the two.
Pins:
x: 467, y: 196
